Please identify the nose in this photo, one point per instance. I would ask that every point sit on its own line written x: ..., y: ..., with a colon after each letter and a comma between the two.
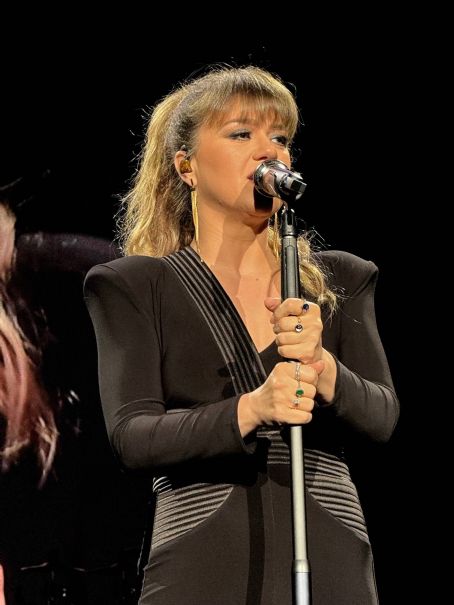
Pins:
x: 264, y: 150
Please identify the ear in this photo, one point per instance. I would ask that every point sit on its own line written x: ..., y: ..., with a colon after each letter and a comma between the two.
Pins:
x: 187, y: 177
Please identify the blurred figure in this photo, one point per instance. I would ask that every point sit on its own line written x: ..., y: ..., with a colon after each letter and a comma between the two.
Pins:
x: 71, y: 523
x: 25, y: 408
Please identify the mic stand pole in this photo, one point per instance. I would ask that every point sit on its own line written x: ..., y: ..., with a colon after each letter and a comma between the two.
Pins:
x: 290, y: 288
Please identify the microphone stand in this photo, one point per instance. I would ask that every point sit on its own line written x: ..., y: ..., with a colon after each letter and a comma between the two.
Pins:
x: 290, y: 287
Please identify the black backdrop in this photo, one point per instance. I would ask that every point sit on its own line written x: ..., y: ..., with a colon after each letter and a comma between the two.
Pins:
x: 72, y: 123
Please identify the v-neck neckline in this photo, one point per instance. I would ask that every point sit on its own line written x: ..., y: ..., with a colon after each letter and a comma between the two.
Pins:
x: 232, y: 307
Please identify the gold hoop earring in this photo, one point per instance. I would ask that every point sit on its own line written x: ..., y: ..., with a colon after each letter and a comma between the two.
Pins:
x: 195, y: 219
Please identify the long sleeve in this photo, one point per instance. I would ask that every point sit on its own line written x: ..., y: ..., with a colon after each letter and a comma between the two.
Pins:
x: 124, y: 307
x: 365, y: 399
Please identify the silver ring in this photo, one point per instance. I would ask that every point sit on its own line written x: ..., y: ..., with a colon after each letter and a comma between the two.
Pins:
x: 299, y: 327
x: 297, y: 372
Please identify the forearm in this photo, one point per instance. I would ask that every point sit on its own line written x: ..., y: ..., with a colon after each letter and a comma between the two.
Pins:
x: 157, y: 441
x: 366, y: 407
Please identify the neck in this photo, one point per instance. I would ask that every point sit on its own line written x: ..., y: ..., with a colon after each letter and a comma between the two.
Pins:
x: 234, y: 246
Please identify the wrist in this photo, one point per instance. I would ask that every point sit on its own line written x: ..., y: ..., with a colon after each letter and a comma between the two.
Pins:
x: 327, y: 378
x: 248, y: 419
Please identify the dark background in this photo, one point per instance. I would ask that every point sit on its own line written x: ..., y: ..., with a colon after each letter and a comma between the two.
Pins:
x: 72, y: 123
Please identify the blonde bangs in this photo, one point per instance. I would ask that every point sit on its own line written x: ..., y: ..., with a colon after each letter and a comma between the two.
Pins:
x: 259, y: 108
x: 255, y: 92
x: 278, y: 109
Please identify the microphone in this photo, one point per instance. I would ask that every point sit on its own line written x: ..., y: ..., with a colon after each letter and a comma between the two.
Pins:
x: 273, y: 179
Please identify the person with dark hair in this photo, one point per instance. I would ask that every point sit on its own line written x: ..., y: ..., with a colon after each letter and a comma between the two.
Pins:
x: 194, y: 346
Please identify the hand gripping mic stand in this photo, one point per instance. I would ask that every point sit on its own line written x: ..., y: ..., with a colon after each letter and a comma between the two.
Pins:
x: 291, y: 288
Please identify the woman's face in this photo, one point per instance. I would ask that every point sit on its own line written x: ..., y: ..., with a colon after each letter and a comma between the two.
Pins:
x: 227, y: 156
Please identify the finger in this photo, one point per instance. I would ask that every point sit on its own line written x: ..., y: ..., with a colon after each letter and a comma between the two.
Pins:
x: 302, y: 404
x: 272, y: 303
x: 303, y: 392
x: 296, y: 415
x: 289, y: 324
x: 292, y: 306
x: 298, y: 323
x: 293, y: 410
x: 310, y: 338
x: 318, y: 366
x: 305, y: 373
x: 303, y: 352
x: 306, y: 352
x: 293, y: 346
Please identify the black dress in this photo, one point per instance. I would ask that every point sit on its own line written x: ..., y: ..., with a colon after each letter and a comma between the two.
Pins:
x: 174, y: 358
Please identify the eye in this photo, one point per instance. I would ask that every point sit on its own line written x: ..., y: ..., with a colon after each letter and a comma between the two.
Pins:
x: 240, y: 134
x: 281, y: 139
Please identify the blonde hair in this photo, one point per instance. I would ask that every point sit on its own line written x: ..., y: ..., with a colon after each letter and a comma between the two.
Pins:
x: 155, y: 217
x: 24, y: 403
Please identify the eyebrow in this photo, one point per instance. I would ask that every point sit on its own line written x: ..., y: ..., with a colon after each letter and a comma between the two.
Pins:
x: 249, y: 121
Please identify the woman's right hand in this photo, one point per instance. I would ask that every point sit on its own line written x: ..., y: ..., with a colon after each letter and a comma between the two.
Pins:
x: 276, y: 400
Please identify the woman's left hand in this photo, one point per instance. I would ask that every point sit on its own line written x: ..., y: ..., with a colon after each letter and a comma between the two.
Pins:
x: 298, y: 328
